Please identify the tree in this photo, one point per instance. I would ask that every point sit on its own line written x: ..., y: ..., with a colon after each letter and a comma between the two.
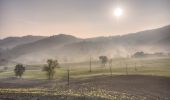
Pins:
x: 103, y: 59
x: 19, y: 70
x: 139, y: 54
x: 50, y: 68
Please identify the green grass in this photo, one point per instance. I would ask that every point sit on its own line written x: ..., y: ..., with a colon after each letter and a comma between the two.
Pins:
x: 158, y: 67
x: 34, y: 74
x: 7, y: 74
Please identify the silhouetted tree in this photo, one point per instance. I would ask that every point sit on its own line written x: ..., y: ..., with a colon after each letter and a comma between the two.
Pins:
x: 104, y: 60
x: 19, y: 70
x: 139, y: 54
x: 50, y: 68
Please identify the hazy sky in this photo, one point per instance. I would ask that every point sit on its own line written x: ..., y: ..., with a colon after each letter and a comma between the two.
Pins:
x: 81, y: 18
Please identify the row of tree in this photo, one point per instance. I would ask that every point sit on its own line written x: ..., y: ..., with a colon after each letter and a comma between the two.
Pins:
x: 51, y: 65
x: 49, y: 68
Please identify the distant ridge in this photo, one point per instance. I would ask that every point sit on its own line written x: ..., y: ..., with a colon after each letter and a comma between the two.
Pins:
x: 10, y: 42
x: 67, y: 46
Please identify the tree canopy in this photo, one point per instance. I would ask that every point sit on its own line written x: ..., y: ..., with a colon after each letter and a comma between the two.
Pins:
x: 19, y: 70
x: 103, y: 59
x: 50, y: 68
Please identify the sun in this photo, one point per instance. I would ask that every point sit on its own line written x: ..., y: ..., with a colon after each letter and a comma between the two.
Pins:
x: 118, y: 12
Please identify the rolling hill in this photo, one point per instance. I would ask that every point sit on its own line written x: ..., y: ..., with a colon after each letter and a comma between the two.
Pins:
x: 66, y: 46
x: 11, y: 42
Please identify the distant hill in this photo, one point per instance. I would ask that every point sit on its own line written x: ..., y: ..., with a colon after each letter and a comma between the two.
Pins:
x: 43, y: 48
x: 150, y: 41
x: 67, y: 46
x: 11, y: 42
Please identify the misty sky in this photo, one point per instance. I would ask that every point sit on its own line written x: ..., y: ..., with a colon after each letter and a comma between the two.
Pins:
x: 81, y: 18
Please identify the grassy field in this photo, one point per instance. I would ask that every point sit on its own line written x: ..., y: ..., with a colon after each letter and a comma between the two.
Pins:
x: 154, y: 66
x: 90, y: 85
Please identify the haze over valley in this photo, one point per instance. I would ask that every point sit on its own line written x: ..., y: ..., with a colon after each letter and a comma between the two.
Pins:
x: 84, y: 50
x: 36, y: 49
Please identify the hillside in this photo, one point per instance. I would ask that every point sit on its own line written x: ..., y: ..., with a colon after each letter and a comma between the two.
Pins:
x: 67, y: 46
x: 11, y: 42
x: 156, y: 40
x: 43, y: 48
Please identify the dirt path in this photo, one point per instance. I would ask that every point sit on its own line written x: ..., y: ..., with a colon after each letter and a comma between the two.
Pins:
x: 151, y: 87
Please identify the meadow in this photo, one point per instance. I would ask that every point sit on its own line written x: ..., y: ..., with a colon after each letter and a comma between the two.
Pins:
x: 141, y: 66
x: 121, y: 79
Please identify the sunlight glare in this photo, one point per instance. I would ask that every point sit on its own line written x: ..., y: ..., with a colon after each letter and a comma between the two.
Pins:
x: 118, y: 12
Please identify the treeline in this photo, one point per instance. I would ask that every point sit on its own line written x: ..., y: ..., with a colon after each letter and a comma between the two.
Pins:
x: 51, y: 65
x: 144, y: 54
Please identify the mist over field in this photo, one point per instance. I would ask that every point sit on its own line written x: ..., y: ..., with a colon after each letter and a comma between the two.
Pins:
x: 84, y: 50
x: 37, y: 49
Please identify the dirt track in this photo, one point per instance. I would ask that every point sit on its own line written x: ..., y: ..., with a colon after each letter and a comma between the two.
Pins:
x: 151, y: 87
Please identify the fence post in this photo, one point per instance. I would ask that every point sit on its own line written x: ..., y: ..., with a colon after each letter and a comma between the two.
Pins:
x: 68, y: 77
x: 135, y: 67
x: 110, y: 67
x: 126, y: 69
x: 90, y: 64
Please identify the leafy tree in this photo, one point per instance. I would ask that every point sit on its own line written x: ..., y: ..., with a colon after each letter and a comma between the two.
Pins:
x: 19, y: 70
x: 50, y: 68
x: 104, y: 60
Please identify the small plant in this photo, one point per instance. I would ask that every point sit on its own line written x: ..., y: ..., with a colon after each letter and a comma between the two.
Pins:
x: 19, y: 70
